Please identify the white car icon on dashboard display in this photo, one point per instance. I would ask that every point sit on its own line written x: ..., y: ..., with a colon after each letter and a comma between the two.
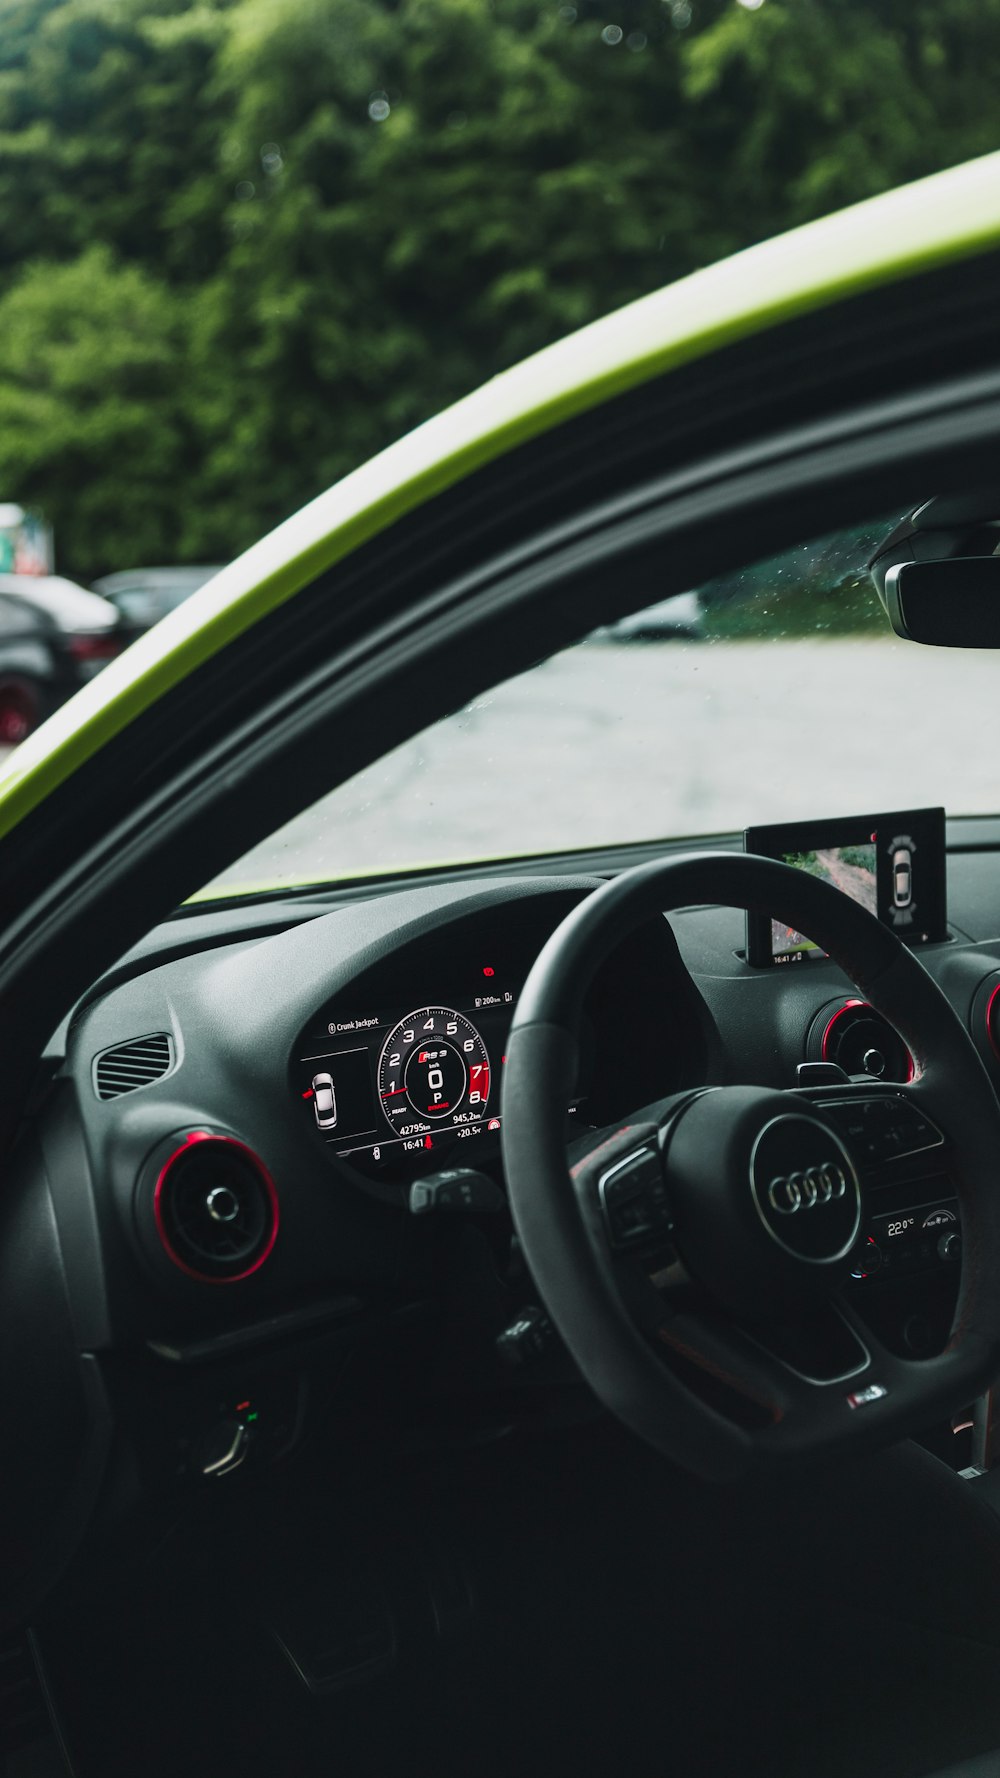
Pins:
x: 324, y: 1101
x: 902, y: 878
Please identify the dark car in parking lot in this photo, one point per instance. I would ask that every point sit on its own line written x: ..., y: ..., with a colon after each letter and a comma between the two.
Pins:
x: 54, y: 635
x: 144, y: 595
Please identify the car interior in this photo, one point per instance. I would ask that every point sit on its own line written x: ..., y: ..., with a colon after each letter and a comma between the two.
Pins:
x: 529, y: 1313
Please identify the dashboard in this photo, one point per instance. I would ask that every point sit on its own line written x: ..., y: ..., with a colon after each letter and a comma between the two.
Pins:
x: 320, y: 1070
x: 241, y: 1121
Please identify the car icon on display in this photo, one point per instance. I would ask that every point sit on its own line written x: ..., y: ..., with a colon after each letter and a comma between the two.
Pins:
x: 324, y: 1101
x: 902, y: 878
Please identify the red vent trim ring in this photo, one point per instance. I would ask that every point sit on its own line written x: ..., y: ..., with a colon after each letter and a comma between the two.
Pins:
x: 825, y: 1045
x: 848, y: 1006
x: 989, y: 1022
x: 269, y: 1187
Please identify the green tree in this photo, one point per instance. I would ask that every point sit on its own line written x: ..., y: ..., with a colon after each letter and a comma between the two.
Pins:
x: 92, y: 414
x: 106, y: 131
x: 322, y: 220
x: 808, y: 105
x: 417, y: 203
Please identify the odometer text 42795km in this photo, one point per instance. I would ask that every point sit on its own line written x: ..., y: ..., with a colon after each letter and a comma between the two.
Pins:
x: 434, y: 1072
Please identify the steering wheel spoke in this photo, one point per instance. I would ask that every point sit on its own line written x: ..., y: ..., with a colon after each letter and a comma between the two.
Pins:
x: 792, y: 1405
x: 621, y: 1184
x: 884, y: 1396
x: 785, y: 1367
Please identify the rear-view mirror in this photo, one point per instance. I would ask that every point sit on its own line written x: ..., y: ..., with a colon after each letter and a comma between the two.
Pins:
x: 951, y: 604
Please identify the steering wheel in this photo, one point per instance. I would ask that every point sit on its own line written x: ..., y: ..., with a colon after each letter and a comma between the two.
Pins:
x: 694, y: 1257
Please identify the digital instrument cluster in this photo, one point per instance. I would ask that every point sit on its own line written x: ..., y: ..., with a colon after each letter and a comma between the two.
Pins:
x: 398, y: 1072
x: 391, y: 1088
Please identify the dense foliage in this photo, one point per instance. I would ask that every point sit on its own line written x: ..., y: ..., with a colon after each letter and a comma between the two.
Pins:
x: 244, y: 243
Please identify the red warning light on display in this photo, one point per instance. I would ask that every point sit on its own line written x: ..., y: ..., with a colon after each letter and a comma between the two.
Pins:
x: 427, y: 1142
x: 489, y: 971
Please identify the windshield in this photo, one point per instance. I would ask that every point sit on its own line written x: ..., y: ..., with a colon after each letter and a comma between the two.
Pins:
x: 775, y: 693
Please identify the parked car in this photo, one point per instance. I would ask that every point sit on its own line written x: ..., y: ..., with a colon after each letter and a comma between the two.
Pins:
x: 144, y: 595
x: 54, y: 635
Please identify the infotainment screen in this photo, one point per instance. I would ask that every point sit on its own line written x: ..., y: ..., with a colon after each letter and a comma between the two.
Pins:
x: 893, y: 864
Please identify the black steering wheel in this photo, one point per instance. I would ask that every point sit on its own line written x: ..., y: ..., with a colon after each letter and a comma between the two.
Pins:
x: 694, y: 1257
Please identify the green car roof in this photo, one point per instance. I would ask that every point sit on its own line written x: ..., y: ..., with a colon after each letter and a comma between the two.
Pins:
x: 946, y: 217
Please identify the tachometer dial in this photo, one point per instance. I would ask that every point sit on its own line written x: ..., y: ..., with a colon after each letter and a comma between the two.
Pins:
x: 434, y: 1070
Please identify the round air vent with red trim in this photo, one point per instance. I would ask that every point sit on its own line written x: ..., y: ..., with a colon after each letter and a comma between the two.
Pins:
x: 216, y: 1208
x: 859, y: 1040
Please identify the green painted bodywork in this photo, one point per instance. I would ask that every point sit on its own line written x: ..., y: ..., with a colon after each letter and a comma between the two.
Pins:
x: 950, y: 216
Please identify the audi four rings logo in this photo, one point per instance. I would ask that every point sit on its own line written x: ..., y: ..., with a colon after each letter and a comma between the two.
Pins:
x: 803, y: 1191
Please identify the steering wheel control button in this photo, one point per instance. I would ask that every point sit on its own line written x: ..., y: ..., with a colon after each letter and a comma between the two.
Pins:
x: 862, y: 1398
x: 635, y: 1200
x: 805, y: 1189
x: 884, y: 1128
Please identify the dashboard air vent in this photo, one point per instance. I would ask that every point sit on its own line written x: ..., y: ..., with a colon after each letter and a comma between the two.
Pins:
x: 132, y: 1065
x: 216, y: 1208
x: 862, y: 1042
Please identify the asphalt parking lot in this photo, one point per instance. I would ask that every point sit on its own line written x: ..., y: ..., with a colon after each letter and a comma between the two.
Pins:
x: 614, y: 742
